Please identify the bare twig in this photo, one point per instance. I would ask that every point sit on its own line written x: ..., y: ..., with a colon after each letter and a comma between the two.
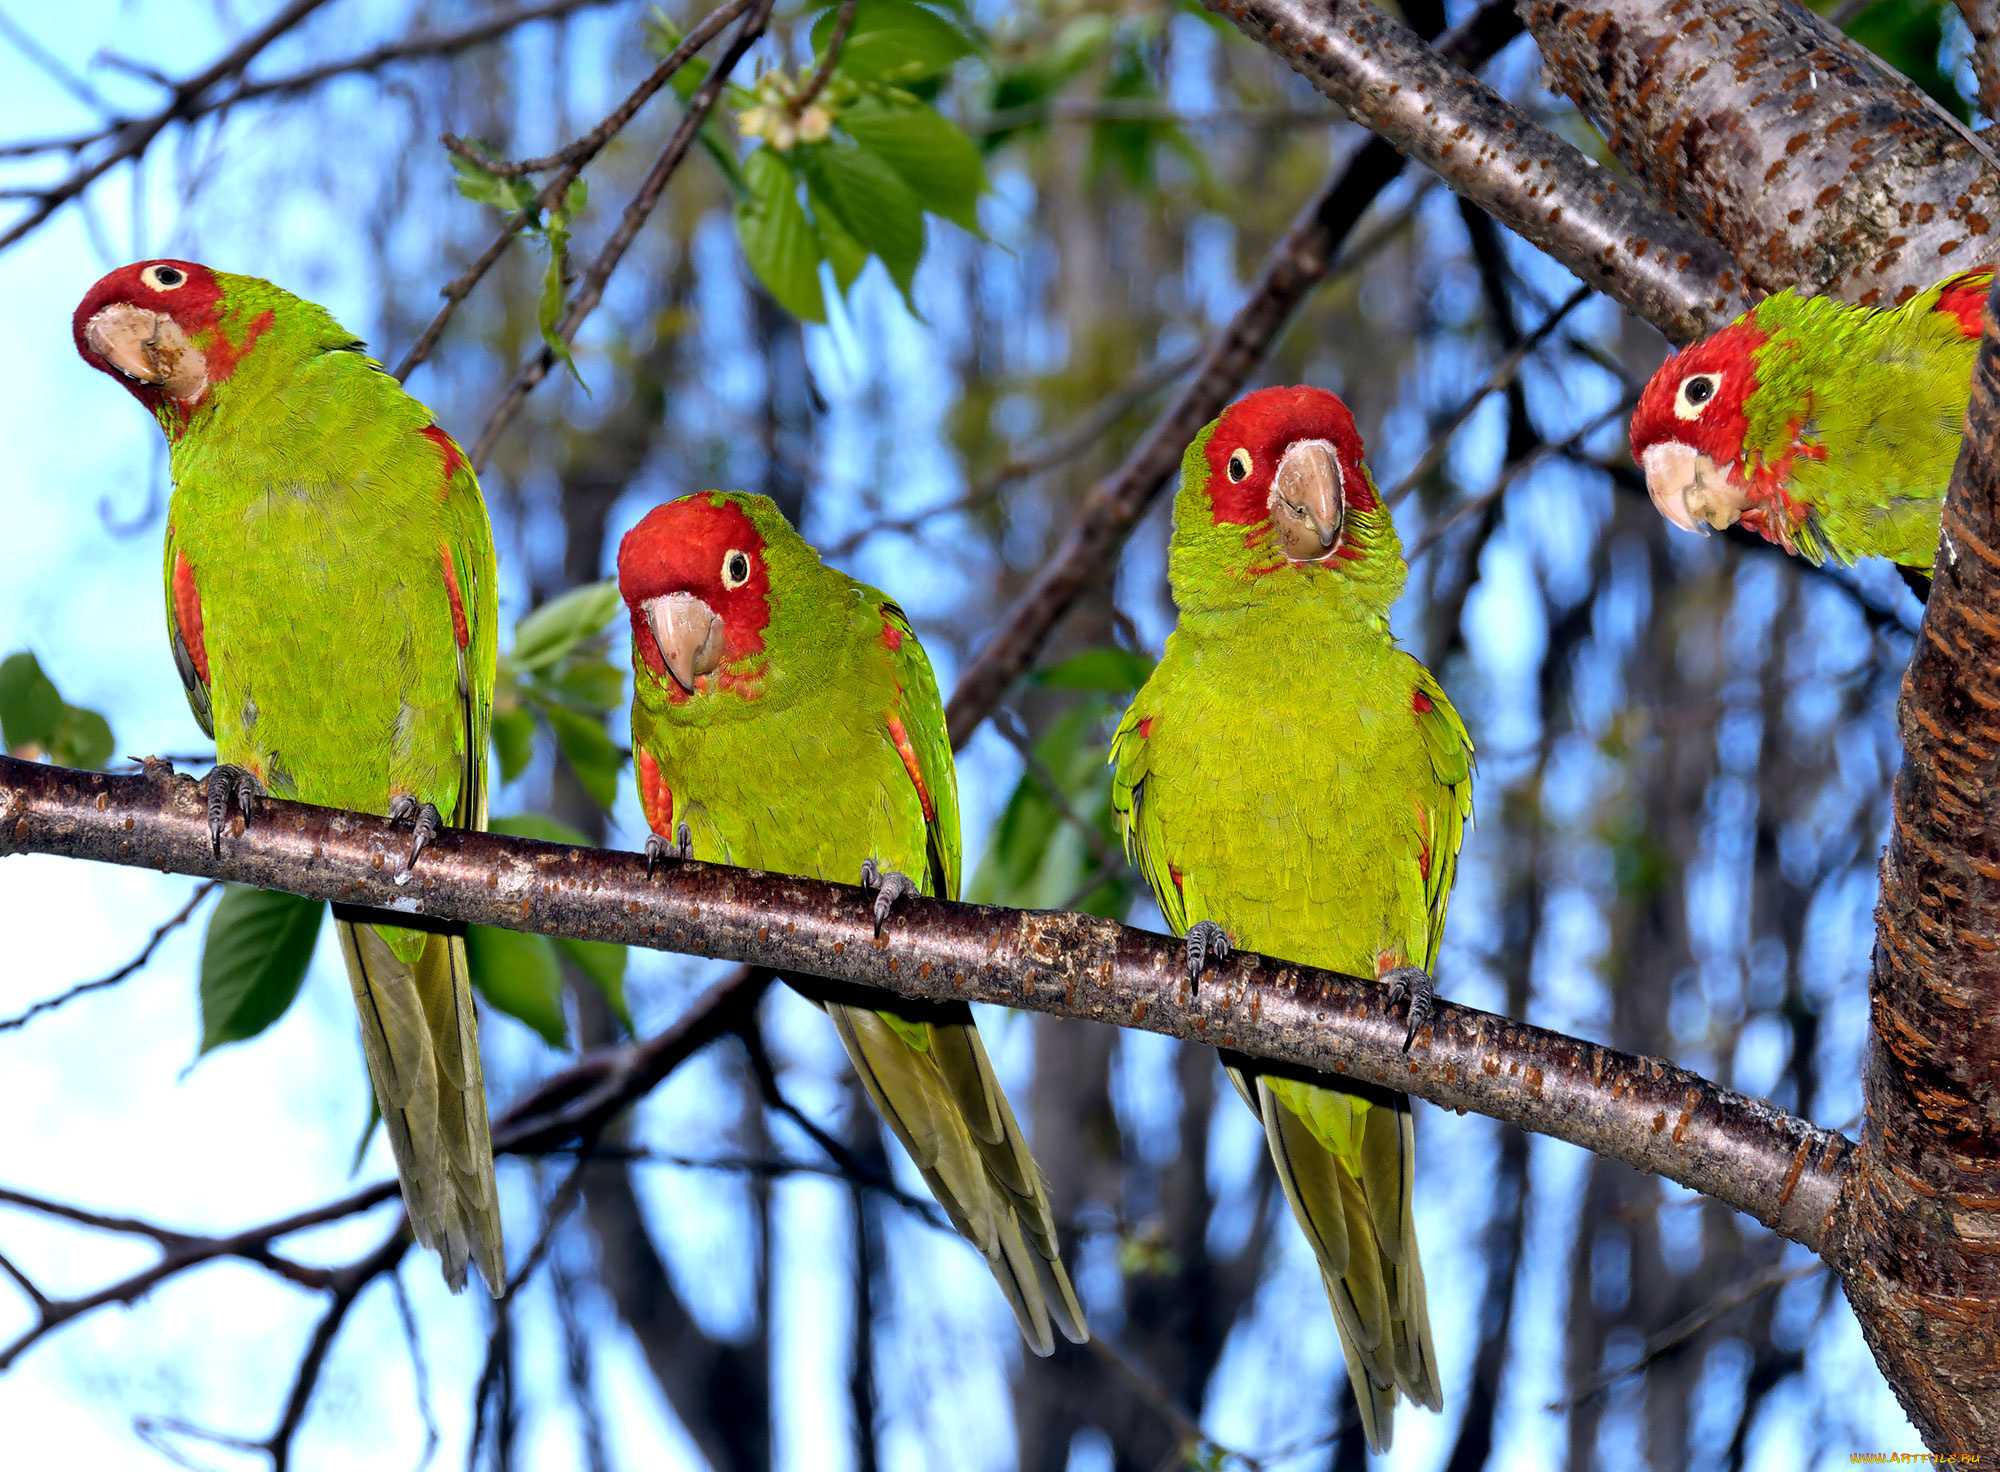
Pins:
x: 1110, y: 862
x: 346, y: 1288
x: 168, y: 927
x: 572, y: 161
x: 420, y: 1374
x: 1746, y: 1153
x: 590, y: 291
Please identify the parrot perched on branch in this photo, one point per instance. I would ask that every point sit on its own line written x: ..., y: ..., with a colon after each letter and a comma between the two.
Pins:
x: 1291, y: 782
x: 331, y: 608
x: 785, y: 717
x: 1828, y: 429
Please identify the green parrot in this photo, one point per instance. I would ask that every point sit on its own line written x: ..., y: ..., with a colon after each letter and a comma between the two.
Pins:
x: 1828, y: 429
x: 785, y: 717
x: 331, y: 608
x: 1319, y: 827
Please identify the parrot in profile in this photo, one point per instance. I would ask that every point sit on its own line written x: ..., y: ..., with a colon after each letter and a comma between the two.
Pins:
x: 1826, y: 428
x: 1291, y: 782
x: 785, y: 717
x: 331, y: 607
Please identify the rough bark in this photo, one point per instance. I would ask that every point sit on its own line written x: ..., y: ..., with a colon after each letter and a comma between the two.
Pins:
x: 1490, y: 152
x: 1917, y: 1235
x: 1814, y: 163
x: 1744, y: 1152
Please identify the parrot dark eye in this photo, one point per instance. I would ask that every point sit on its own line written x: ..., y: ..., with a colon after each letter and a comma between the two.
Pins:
x: 163, y: 278
x: 1696, y: 390
x: 735, y: 570
x: 1239, y: 464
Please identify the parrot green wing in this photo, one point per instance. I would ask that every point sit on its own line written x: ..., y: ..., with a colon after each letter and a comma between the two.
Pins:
x: 1447, y: 807
x: 920, y: 716
x: 184, y: 633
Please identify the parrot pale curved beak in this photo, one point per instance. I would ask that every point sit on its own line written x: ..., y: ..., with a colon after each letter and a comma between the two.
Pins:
x: 1690, y: 489
x: 689, y: 635
x: 1307, y: 504
x: 148, y: 347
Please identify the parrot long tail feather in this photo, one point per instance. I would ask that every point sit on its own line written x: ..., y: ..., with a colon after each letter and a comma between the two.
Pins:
x: 420, y: 1035
x: 990, y: 1188
x: 1355, y: 1210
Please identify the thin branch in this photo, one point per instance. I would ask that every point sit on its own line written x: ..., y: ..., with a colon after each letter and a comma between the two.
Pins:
x: 1649, y: 1113
x: 52, y: 65
x: 133, y: 138
x: 590, y: 291
x: 1110, y: 862
x: 1429, y: 105
x: 167, y: 928
x: 573, y: 160
x: 347, y: 1287
x: 843, y: 22
x: 1296, y: 265
x: 1093, y: 110
x: 420, y: 1373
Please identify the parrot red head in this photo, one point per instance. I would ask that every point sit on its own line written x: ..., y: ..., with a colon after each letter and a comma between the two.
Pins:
x: 149, y: 326
x: 1290, y: 459
x: 1689, y: 428
x: 693, y: 575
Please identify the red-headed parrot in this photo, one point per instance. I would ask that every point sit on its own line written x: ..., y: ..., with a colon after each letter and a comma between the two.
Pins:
x: 1828, y: 429
x: 1291, y: 782
x: 784, y: 717
x: 331, y: 608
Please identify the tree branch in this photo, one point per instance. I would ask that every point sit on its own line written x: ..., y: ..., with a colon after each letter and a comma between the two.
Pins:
x: 1742, y: 1151
x: 1812, y: 161
x: 167, y: 927
x: 1297, y: 264
x: 1915, y: 1232
x: 1429, y: 105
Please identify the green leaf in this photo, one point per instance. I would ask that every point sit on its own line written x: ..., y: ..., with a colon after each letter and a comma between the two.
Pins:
x: 537, y: 826
x: 562, y: 623
x: 259, y: 944
x: 872, y: 204
x: 846, y: 255
x: 519, y: 974
x: 548, y: 311
x: 589, y: 684
x: 893, y: 41
x: 483, y: 186
x: 513, y: 740
x: 589, y: 750
x: 82, y: 738
x: 928, y: 151
x: 604, y: 964
x: 1036, y: 858
x: 777, y: 238
x: 30, y: 705
x: 1111, y: 669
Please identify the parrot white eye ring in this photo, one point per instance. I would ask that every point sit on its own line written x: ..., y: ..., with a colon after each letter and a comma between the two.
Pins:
x: 1696, y: 390
x: 735, y: 570
x: 1239, y: 464
x: 164, y: 278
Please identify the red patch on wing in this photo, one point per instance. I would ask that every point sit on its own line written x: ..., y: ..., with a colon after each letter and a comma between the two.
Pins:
x: 682, y: 547
x: 1420, y: 703
x: 1266, y: 423
x: 453, y: 456
x: 1964, y: 296
x: 1719, y: 426
x: 655, y: 797
x: 892, y: 637
x: 1175, y: 875
x: 909, y: 755
x: 1145, y: 727
x: 458, y: 627
x: 1424, y: 859
x: 187, y: 615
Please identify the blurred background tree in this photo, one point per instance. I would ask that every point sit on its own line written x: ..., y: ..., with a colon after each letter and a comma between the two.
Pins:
x: 925, y: 296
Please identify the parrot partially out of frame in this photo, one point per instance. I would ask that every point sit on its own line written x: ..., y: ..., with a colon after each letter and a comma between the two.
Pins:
x: 785, y: 717
x: 1291, y: 782
x: 1826, y: 428
x: 331, y: 608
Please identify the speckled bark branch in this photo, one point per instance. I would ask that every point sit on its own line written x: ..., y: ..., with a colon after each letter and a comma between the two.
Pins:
x: 1657, y: 266
x: 1811, y: 161
x: 1917, y: 1235
x: 1742, y: 1151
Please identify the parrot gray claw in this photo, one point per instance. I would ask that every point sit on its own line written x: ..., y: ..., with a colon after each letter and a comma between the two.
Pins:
x: 1204, y: 939
x: 658, y: 849
x: 888, y: 888
x: 406, y: 809
x: 1415, y: 984
x: 224, y: 783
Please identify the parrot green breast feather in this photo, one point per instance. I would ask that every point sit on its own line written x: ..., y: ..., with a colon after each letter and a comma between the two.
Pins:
x: 332, y: 610
x: 1828, y: 428
x: 1291, y: 776
x: 785, y: 717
